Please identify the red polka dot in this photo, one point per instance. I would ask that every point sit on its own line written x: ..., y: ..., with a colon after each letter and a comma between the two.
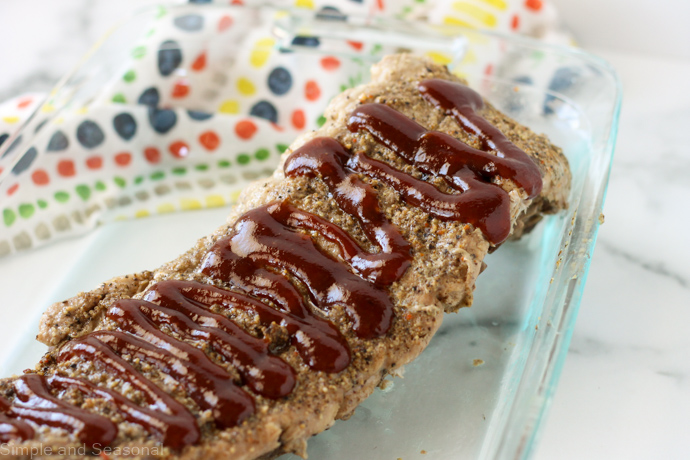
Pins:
x: 181, y: 89
x: 312, y: 91
x: 356, y: 45
x: 237, y: 2
x: 1, y: 170
x: 277, y: 127
x: 330, y: 63
x: 152, y: 154
x: 179, y: 149
x: 224, y: 23
x: 123, y: 158
x: 245, y: 129
x: 94, y: 162
x: 489, y: 69
x: 515, y: 23
x: 11, y: 190
x: 66, y: 168
x: 40, y: 177
x: 209, y: 140
x: 534, y: 5
x: 298, y: 119
x: 380, y: 4
x: 24, y: 102
x: 200, y: 62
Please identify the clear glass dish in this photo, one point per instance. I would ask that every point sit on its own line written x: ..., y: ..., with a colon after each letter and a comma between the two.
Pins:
x: 482, y: 388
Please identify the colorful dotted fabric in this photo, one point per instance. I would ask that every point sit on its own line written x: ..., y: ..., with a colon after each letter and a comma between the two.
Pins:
x: 206, y: 102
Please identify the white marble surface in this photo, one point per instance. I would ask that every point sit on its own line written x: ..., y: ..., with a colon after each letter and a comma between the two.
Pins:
x: 625, y: 388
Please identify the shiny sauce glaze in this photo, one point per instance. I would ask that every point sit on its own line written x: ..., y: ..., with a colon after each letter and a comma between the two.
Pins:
x: 270, y: 260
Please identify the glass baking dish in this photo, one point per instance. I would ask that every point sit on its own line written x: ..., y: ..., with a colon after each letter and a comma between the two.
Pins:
x: 482, y: 388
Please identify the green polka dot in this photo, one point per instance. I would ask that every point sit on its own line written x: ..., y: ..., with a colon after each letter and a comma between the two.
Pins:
x: 26, y: 210
x: 99, y: 185
x: 139, y: 52
x: 282, y: 147
x: 138, y: 180
x: 83, y: 191
x: 119, y: 98
x: 320, y: 121
x: 8, y: 216
x: 157, y: 175
x: 243, y: 158
x: 223, y: 164
x: 161, y: 12
x: 61, y: 196
x: 42, y: 204
x: 150, y: 33
x: 262, y: 154
x: 120, y: 182
x: 201, y: 167
x: 129, y: 76
x: 179, y: 171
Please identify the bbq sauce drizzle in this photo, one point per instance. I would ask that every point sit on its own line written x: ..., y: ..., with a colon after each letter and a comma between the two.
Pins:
x: 267, y: 242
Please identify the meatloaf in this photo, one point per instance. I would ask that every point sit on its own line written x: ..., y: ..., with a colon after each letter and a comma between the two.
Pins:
x: 328, y: 276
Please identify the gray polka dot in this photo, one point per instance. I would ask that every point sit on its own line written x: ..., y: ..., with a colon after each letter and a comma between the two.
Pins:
x: 183, y: 186
x: 250, y: 175
x: 228, y: 178
x: 22, y: 241
x: 110, y: 202
x: 206, y: 183
x: 42, y: 231
x: 124, y: 201
x: 4, y: 248
x: 142, y: 195
x: 94, y: 208
x: 61, y: 223
x: 189, y: 22
x: 77, y: 217
x: 162, y: 189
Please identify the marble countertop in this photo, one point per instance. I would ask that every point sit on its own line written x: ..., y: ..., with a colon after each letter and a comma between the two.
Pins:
x: 625, y: 389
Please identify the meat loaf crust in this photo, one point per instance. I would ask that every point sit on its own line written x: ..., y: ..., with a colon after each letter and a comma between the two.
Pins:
x: 447, y: 258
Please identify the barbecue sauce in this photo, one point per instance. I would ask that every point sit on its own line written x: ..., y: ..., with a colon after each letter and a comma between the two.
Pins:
x: 266, y: 260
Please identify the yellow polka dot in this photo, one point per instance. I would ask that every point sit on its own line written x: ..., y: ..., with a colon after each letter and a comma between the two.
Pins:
x: 165, y: 208
x: 47, y: 108
x: 187, y: 204
x: 230, y: 107
x: 499, y: 4
x: 12, y: 119
x: 234, y: 196
x: 472, y: 10
x: 120, y: 218
x: 141, y: 213
x: 262, y: 50
x: 245, y: 87
x: 215, y: 201
x: 451, y: 21
x: 82, y: 110
x: 304, y: 4
x: 281, y: 14
x: 439, y: 58
x: 59, y: 120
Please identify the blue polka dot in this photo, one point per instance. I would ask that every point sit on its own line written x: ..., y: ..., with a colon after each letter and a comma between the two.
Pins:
x: 12, y: 146
x: 189, y: 22
x: 279, y: 81
x: 199, y: 116
x: 169, y: 57
x: 162, y: 120
x: 266, y: 110
x: 25, y: 161
x: 125, y: 125
x: 301, y: 40
x: 58, y: 142
x: 149, y: 97
x: 3, y: 138
x: 89, y: 134
x: 330, y: 13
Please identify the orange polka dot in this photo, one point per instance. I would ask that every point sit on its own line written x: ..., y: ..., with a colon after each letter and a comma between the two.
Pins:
x: 224, y: 23
x: 277, y: 127
x: 94, y: 162
x: 245, y: 129
x: 24, y: 103
x: 298, y: 119
x: 356, y: 45
x: 123, y: 158
x: 152, y: 155
x: 40, y: 177
x: 534, y: 5
x: 209, y: 140
x: 330, y: 63
x: 237, y: 2
x: 515, y: 23
x: 312, y: 91
x: 179, y: 149
x: 181, y: 89
x: 489, y: 69
x: 200, y: 62
x: 66, y: 168
x: 11, y: 190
